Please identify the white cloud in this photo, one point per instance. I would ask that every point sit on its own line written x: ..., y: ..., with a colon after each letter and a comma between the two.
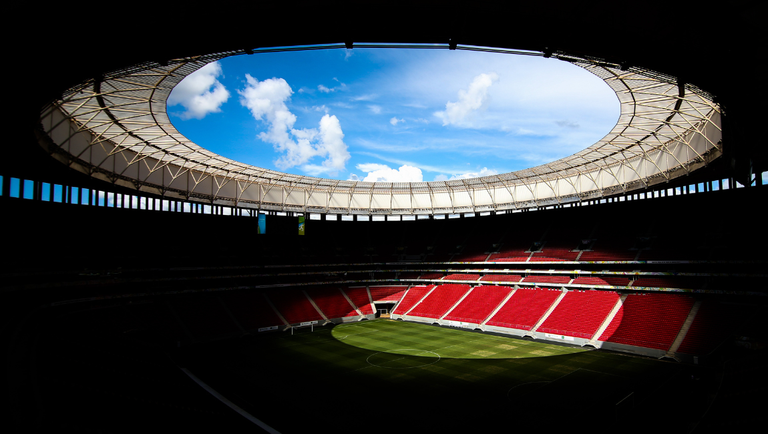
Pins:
x: 466, y: 175
x: 200, y: 93
x: 384, y: 173
x: 366, y: 97
x: 375, y: 108
x: 470, y: 100
x: 325, y: 89
x: 266, y: 101
x: 395, y: 121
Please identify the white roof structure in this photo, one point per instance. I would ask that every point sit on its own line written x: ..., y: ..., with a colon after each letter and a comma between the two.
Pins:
x: 116, y: 128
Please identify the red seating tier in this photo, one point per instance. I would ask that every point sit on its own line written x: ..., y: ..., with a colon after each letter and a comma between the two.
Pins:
x: 437, y: 303
x: 589, y: 280
x: 462, y: 277
x: 359, y: 297
x: 713, y: 323
x: 508, y: 259
x: 580, y: 313
x: 431, y: 276
x: 524, y: 308
x: 539, y: 258
x: 649, y: 320
x: 478, y: 304
x: 387, y: 293
x: 547, y: 279
x: 608, y: 255
x: 561, y: 253
x: 501, y: 278
x: 411, y: 297
x: 331, y: 302
x: 293, y: 305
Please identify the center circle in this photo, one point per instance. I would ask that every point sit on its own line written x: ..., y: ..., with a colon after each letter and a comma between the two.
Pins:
x: 406, y: 358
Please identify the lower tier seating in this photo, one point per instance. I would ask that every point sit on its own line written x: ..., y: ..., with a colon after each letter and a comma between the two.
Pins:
x: 649, y: 320
x: 387, y: 293
x: 293, y: 305
x: 359, y: 297
x: 479, y: 304
x: 410, y: 298
x: 580, y: 313
x: 331, y: 302
x: 437, y: 303
x: 713, y: 323
x: 524, y: 309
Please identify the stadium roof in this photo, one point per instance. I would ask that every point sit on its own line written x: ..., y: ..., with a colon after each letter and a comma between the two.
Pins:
x: 707, y: 47
x: 115, y: 127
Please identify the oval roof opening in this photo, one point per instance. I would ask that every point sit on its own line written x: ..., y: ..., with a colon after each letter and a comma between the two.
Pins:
x: 393, y: 115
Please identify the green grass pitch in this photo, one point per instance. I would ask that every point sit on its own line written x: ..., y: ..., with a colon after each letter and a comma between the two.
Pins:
x: 376, y: 376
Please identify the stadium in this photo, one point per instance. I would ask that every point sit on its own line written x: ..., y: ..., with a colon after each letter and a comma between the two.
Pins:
x: 152, y: 284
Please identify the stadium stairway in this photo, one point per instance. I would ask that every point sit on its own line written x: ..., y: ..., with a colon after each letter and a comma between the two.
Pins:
x: 317, y: 308
x: 547, y: 313
x: 671, y: 352
x: 277, y: 312
x: 351, y: 303
x: 439, y: 321
x: 420, y: 300
x: 606, y: 321
x: 495, y: 310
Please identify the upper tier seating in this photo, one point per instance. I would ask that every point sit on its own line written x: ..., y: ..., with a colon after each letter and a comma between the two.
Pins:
x: 540, y: 258
x: 670, y: 282
x: 510, y: 259
x: 431, y: 276
x: 408, y: 275
x: 617, y: 281
x: 560, y: 253
x: 608, y: 254
x: 589, y: 280
x: 501, y: 278
x: 512, y: 248
x: 462, y: 277
x: 536, y: 278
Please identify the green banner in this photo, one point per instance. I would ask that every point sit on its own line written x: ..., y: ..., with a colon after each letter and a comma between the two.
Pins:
x: 301, y: 225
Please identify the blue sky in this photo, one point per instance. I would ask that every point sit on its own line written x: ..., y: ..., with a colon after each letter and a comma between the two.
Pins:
x: 393, y: 114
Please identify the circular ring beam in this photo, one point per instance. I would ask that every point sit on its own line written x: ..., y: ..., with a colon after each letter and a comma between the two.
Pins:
x: 116, y: 128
